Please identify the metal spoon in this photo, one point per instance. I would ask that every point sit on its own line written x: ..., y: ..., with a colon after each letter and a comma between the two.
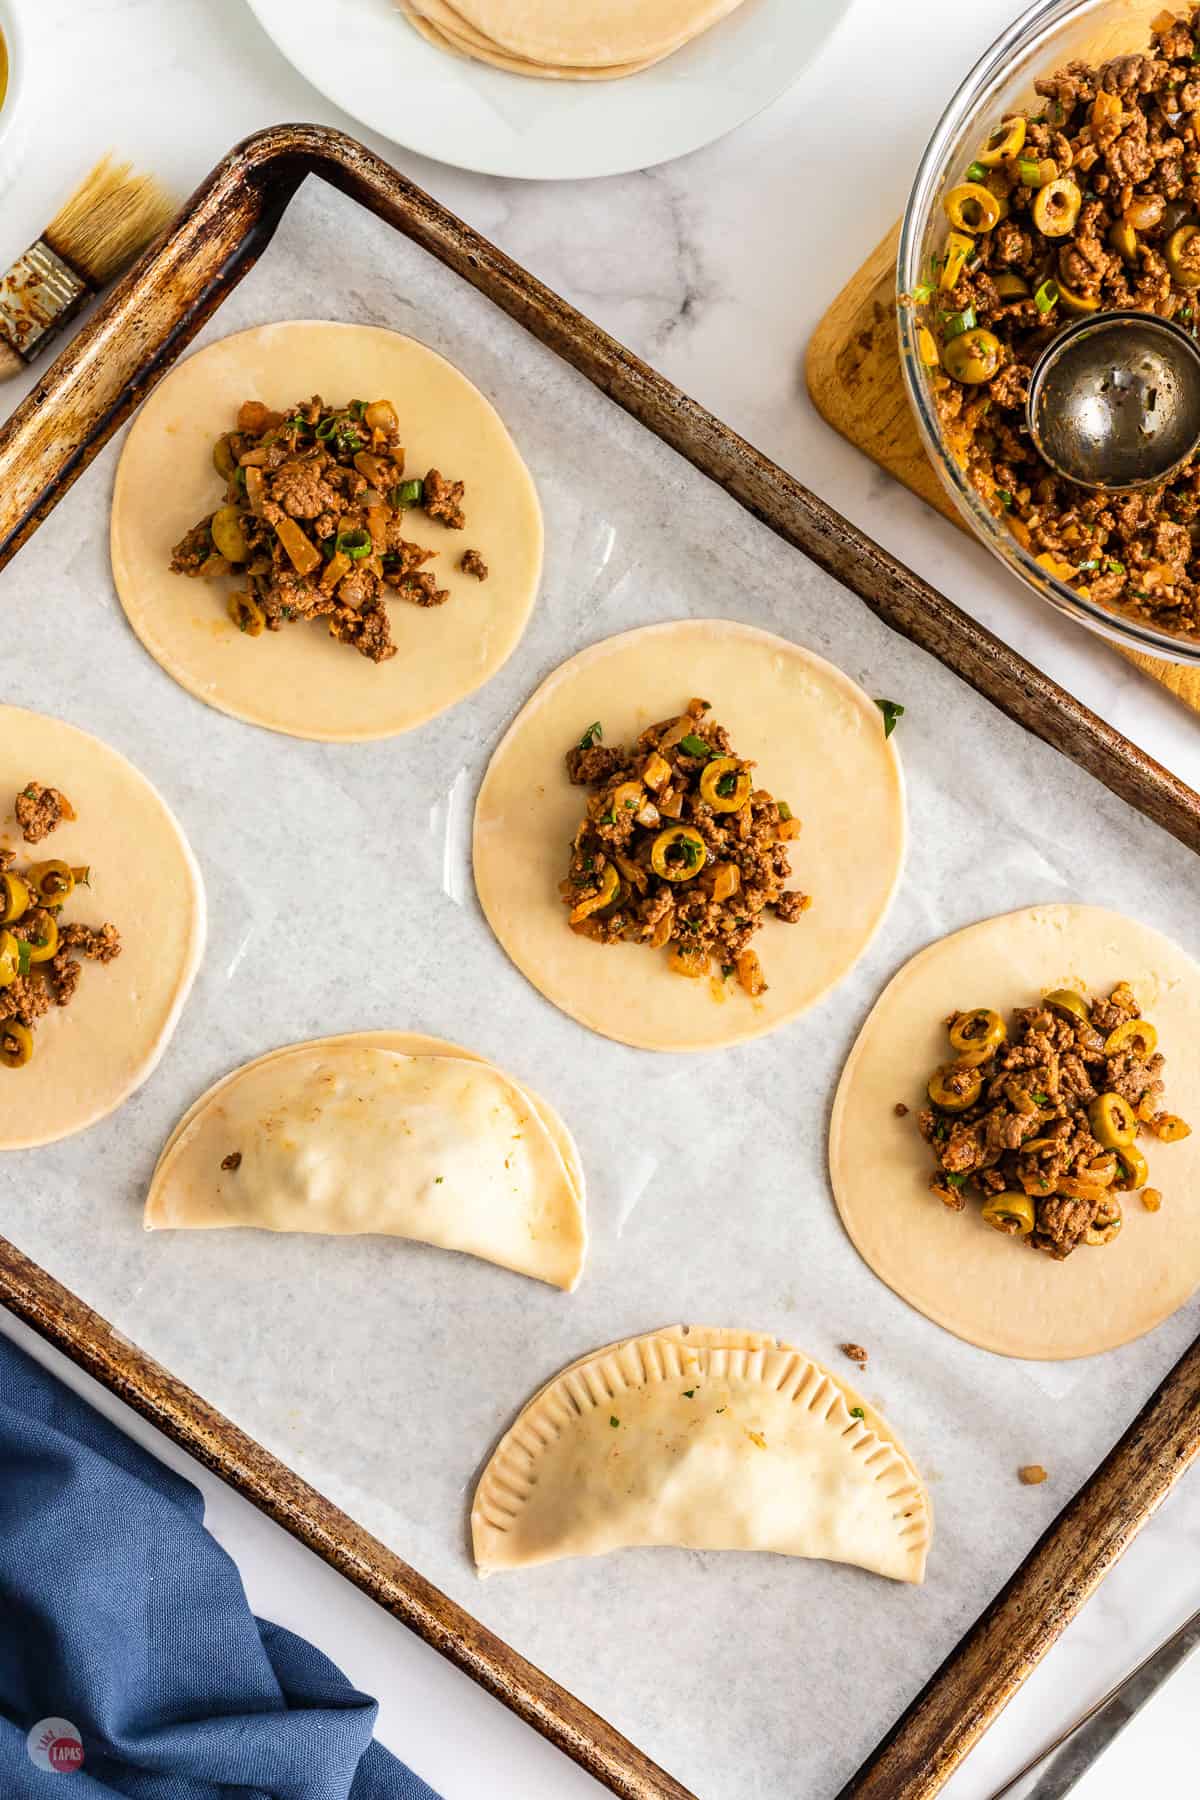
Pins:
x: 1114, y: 401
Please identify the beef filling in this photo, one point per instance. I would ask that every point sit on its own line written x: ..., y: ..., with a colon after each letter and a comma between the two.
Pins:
x: 1097, y: 197
x: 679, y: 850
x: 1040, y: 1121
x: 313, y: 522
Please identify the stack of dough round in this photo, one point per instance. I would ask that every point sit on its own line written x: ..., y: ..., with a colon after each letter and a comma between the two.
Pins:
x: 590, y: 40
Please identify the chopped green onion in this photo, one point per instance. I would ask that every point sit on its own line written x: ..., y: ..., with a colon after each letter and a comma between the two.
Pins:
x: 23, y: 957
x: 726, y: 785
x: 326, y: 429
x: 613, y: 1420
x: 1092, y: 563
x: 891, y: 710
x: 954, y: 324
x: 922, y: 292
x: 1114, y: 567
x: 357, y: 408
x: 689, y: 1393
x: 354, y: 544
x: 976, y: 172
x: 785, y: 811
x: 239, y: 476
x: 409, y: 493
x: 1005, y: 498
x: 1029, y: 172
x: 956, y: 1180
x: 1046, y: 296
x: 591, y: 736
x: 856, y: 1412
x: 695, y: 746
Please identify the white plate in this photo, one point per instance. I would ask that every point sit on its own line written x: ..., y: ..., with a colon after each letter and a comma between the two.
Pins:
x: 366, y: 58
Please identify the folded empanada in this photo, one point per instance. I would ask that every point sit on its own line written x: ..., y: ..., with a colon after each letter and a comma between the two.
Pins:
x: 707, y: 1439
x: 345, y: 1136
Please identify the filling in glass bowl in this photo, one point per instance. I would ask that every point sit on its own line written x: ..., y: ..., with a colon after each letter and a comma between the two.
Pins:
x: 1091, y: 203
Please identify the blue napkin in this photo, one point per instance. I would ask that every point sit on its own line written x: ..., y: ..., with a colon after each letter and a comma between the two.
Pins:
x: 126, y: 1639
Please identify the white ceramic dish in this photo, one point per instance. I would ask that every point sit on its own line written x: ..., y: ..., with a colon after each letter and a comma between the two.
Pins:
x: 366, y: 58
x: 11, y: 109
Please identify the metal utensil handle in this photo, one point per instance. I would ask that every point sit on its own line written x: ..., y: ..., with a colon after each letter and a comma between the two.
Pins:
x: 1095, y: 1729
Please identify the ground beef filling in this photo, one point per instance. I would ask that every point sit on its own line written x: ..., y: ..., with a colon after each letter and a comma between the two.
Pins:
x: 39, y: 810
x: 40, y: 953
x: 1121, y: 143
x: 679, y: 850
x: 314, y: 522
x: 1040, y: 1120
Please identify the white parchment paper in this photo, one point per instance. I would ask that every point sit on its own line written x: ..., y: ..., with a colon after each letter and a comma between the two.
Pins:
x: 383, y: 1372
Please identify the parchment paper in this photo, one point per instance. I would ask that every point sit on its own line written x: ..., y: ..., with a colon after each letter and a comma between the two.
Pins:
x: 383, y: 1372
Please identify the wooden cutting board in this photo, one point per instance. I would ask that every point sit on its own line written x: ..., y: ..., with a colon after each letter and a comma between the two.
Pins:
x: 854, y: 377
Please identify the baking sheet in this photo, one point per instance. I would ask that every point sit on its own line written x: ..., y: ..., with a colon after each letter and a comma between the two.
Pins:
x: 383, y: 1372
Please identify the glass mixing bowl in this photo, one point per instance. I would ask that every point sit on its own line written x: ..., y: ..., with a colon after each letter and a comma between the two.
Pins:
x: 1050, y: 34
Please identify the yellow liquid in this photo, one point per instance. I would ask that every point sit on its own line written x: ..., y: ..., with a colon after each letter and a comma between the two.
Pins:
x: 3, y: 68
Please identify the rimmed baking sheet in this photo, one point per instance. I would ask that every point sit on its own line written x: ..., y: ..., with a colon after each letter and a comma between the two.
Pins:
x: 381, y: 1372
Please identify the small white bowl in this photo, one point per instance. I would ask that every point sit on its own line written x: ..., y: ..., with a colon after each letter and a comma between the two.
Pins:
x: 12, y: 121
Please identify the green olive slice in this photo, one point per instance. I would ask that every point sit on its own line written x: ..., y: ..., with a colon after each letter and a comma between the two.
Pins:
x: 1003, y: 141
x: 1134, y: 1170
x: 45, y: 945
x: 246, y: 614
x: 1185, y: 270
x: 609, y: 890
x: 1135, y: 1035
x: 1069, y: 1003
x: 977, y: 1035
x: 1056, y: 208
x: 53, y: 881
x: 10, y: 959
x: 1012, y: 1213
x: 972, y: 207
x: 953, y: 1088
x: 16, y: 1044
x: 973, y: 356
x: 228, y: 535
x: 725, y: 784
x: 1112, y: 1121
x: 14, y: 898
x: 678, y: 853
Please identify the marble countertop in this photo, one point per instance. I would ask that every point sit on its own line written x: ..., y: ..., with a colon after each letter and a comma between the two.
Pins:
x: 715, y: 269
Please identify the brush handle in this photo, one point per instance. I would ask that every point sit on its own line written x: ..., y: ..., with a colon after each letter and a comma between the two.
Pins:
x: 37, y: 297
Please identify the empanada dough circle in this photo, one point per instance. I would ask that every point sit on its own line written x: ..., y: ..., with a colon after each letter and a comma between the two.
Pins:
x: 818, y: 743
x: 297, y: 680
x: 379, y: 1133
x: 707, y: 1439
x: 587, y: 33
x: 439, y: 26
x: 953, y: 1267
x: 90, y: 1056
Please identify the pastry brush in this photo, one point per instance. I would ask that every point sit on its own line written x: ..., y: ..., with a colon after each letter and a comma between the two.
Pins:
x: 113, y: 213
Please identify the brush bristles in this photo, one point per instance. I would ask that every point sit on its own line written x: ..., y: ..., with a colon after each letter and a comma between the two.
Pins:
x: 112, y: 214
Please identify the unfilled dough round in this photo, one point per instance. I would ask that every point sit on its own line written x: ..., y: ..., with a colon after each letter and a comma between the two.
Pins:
x: 585, y: 33
x: 818, y: 743
x: 953, y: 1267
x: 89, y: 1057
x: 404, y: 1043
x: 298, y: 680
x: 439, y: 26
